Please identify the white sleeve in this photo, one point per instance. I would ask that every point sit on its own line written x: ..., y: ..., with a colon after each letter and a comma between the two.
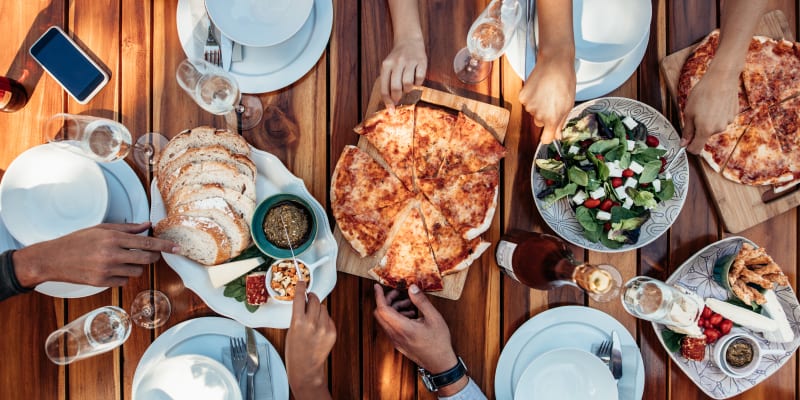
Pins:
x: 469, y: 392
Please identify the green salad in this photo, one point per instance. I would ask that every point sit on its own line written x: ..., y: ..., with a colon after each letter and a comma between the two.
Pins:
x: 612, y: 172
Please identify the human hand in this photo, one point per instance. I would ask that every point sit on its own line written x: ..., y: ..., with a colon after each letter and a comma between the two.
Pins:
x: 309, y: 341
x: 403, y: 68
x: 425, y: 340
x: 103, y: 255
x: 549, y: 94
x: 712, y: 104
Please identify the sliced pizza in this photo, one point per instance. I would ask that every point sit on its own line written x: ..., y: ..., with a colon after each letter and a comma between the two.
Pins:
x: 360, y: 184
x: 719, y: 146
x: 409, y: 259
x: 452, y: 252
x: 772, y: 71
x: 472, y: 148
x: 432, y: 132
x: 467, y: 201
x: 392, y: 134
x: 786, y: 120
x: 367, y: 232
x: 757, y: 158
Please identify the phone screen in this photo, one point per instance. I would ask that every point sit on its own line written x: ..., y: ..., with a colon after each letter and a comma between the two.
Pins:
x: 78, y: 75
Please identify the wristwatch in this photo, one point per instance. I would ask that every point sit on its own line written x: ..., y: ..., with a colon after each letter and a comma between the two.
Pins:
x: 434, y: 382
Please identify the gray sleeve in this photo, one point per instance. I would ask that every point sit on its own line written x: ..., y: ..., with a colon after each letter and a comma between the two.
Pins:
x: 469, y: 392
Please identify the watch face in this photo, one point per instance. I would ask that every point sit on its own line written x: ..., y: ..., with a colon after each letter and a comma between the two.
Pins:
x: 427, y: 381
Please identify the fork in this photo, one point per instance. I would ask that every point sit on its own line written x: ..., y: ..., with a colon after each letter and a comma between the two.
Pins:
x: 211, y: 51
x: 238, y: 357
x: 604, y: 352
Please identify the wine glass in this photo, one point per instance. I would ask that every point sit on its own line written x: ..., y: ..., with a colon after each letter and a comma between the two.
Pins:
x: 217, y: 92
x: 146, y: 148
x: 100, y: 139
x: 95, y: 332
x: 150, y: 309
x: 487, y: 40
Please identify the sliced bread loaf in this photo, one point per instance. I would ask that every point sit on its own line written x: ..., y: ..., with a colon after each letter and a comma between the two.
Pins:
x: 209, y: 172
x: 240, y: 204
x: 201, y: 239
x: 210, y: 153
x: 218, y: 210
x: 202, y: 136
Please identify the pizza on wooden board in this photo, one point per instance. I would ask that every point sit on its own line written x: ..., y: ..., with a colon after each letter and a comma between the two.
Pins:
x: 424, y: 222
x: 761, y: 146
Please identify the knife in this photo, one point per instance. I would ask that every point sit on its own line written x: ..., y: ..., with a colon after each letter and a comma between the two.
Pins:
x: 616, y: 356
x: 530, y: 39
x: 226, y: 48
x: 252, y: 362
x: 268, y: 383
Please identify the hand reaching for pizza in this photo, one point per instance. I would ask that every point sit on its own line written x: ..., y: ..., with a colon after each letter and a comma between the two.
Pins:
x: 549, y: 95
x: 710, y: 107
x: 405, y: 67
x: 309, y: 341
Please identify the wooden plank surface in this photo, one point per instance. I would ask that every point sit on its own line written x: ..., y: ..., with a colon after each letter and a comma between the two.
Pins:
x: 740, y: 206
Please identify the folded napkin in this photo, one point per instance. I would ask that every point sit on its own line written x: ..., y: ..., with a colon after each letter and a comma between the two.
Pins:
x: 261, y: 375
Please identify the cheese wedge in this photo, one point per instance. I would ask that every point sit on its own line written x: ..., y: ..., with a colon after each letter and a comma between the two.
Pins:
x: 224, y: 273
x: 741, y: 316
x: 774, y: 310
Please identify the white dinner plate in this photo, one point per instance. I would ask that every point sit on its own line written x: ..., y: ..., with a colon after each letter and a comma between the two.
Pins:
x: 573, y: 327
x: 210, y: 337
x: 566, y: 374
x: 272, y: 178
x: 607, y: 30
x: 262, y: 69
x: 188, y: 377
x: 594, y: 79
x: 257, y: 22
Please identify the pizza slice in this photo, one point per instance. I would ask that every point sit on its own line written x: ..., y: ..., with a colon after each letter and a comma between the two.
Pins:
x: 467, y: 201
x: 392, y: 134
x: 771, y: 71
x: 432, y: 132
x: 452, y: 252
x: 786, y: 119
x: 719, y: 146
x: 472, y: 148
x: 360, y: 184
x: 367, y: 233
x: 757, y: 158
x: 409, y: 259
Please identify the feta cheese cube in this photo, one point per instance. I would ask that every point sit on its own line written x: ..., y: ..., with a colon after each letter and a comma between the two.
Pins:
x: 621, y: 193
x: 631, y: 145
x: 667, y: 175
x: 629, y: 122
x: 628, y: 203
x: 579, y: 197
x: 603, y: 216
x: 630, y: 182
x: 573, y: 149
x: 597, y: 193
x: 614, y: 171
x: 657, y: 185
x: 636, y: 167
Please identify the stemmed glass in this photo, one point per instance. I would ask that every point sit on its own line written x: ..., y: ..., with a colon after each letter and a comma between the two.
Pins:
x: 217, y: 92
x: 150, y: 309
x: 487, y: 40
x: 95, y: 332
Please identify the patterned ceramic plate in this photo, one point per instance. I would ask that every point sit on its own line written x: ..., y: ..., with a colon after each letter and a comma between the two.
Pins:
x: 697, y: 274
x: 560, y: 216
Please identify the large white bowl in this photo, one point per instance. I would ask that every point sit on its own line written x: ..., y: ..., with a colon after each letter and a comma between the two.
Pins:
x: 259, y: 23
x: 560, y: 216
x: 566, y: 374
x: 188, y: 377
x: 607, y: 30
x: 48, y: 192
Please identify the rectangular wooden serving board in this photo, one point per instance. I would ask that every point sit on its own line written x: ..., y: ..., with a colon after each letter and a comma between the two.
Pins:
x: 492, y: 117
x: 740, y: 206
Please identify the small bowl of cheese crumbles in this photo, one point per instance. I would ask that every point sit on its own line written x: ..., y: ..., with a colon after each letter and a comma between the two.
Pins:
x: 282, y: 277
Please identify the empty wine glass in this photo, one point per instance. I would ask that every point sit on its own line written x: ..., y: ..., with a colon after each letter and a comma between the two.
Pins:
x: 100, y: 139
x: 150, y: 309
x: 217, y: 92
x: 487, y: 40
x: 146, y: 148
x: 95, y: 332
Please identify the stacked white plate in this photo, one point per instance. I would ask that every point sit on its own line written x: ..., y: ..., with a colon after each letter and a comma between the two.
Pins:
x: 557, y: 346
x: 280, y: 40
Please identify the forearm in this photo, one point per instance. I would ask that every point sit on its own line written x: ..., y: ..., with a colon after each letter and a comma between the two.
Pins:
x: 9, y: 284
x: 739, y: 21
x: 405, y: 20
x: 556, y: 38
x: 28, y: 266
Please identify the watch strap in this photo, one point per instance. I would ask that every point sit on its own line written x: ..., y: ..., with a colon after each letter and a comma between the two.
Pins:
x: 434, y: 382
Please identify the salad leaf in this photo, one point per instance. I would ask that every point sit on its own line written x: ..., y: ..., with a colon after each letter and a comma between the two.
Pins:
x: 583, y: 129
x: 587, y: 219
x: 625, y: 160
x: 647, y: 154
x: 602, y: 146
x: 553, y: 176
x: 549, y: 164
x: 250, y: 307
x: 593, y: 236
x: 619, y: 130
x: 667, y: 190
x: 620, y: 231
x: 578, y: 176
x: 650, y: 171
x: 642, y: 198
x: 603, y: 170
x: 639, y: 132
x: 672, y: 340
x: 616, y: 153
x: 619, y: 213
x: 611, y: 244
x: 560, y: 193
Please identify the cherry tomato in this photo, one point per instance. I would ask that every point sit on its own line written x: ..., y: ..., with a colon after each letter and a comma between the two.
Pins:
x: 606, y: 205
x: 725, y: 326
x: 616, y: 182
x: 715, y: 319
x: 557, y: 157
x: 711, y: 335
x: 591, y: 203
x: 663, y: 164
x: 599, y: 157
x: 701, y: 322
x: 627, y: 172
x: 651, y: 141
x: 548, y: 182
x: 607, y: 226
x: 707, y: 313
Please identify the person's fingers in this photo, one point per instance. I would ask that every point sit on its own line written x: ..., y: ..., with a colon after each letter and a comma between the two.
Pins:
x: 114, y: 281
x: 548, y: 133
x: 319, y: 308
x: 688, y: 132
x: 420, y: 72
x: 385, y: 89
x: 127, y: 228
x: 299, y: 302
x: 409, y: 314
x: 560, y: 128
x: 408, y: 79
x: 380, y: 298
x: 402, y: 304
x: 421, y: 301
x: 124, y: 256
x: 396, y: 86
x: 312, y: 306
x: 130, y: 241
x: 392, y: 295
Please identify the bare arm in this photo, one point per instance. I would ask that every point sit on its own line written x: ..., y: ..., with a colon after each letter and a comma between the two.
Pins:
x: 549, y: 91
x: 713, y: 102
x: 407, y: 64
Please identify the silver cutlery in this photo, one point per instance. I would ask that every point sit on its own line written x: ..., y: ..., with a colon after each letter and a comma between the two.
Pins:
x: 268, y: 383
x: 530, y: 38
x: 238, y: 358
x: 252, y: 363
x: 291, y: 249
x: 616, y: 356
x: 604, y: 351
x: 211, y: 50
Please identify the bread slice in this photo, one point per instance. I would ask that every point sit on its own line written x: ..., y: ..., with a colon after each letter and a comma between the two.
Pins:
x: 210, y: 153
x: 218, y: 210
x: 200, y: 239
x: 203, y: 136
x: 209, y: 172
x: 240, y: 204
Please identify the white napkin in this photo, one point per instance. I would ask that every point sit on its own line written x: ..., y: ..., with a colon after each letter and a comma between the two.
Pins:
x: 630, y: 366
x: 261, y: 374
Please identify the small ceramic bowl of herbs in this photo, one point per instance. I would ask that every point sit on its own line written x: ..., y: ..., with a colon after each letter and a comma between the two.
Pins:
x: 283, y: 225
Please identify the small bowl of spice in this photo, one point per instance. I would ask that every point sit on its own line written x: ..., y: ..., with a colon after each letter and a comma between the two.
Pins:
x: 737, y: 355
x: 282, y: 277
x: 283, y: 223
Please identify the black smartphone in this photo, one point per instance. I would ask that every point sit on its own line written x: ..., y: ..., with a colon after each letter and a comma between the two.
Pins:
x: 69, y: 65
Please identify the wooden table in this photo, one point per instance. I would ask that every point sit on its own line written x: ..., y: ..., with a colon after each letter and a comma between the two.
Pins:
x: 307, y: 125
